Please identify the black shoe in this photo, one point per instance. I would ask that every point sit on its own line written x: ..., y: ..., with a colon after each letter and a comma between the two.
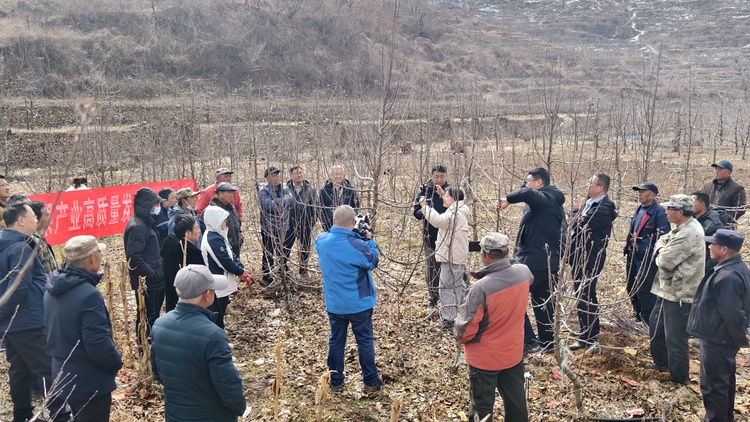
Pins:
x: 431, y: 304
x: 530, y: 348
x: 656, y: 367
x: 444, y: 325
x: 581, y: 344
x: 337, y: 388
x: 369, y: 389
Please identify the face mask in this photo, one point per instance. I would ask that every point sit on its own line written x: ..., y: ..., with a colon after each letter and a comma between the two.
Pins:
x: 190, y: 207
x: 157, y: 210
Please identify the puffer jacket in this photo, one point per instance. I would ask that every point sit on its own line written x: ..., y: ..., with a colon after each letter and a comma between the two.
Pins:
x: 721, y: 306
x: 452, y: 243
x: 191, y: 357
x: 79, y: 334
x: 15, y: 250
x: 680, y: 256
x: 490, y: 321
x: 142, y: 243
x: 329, y: 200
x: 541, y: 225
x: 729, y: 194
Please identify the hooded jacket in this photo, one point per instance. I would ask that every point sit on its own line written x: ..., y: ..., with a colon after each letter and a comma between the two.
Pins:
x: 436, y: 202
x: 275, y: 205
x: 177, y: 209
x: 329, y: 200
x: 452, y: 245
x: 75, y: 313
x: 234, y: 225
x: 346, y: 260
x: 721, y: 307
x: 191, y: 357
x: 490, y: 321
x: 304, y: 210
x: 15, y: 250
x: 216, y: 251
x: 541, y: 225
x: 589, y: 236
x: 142, y: 243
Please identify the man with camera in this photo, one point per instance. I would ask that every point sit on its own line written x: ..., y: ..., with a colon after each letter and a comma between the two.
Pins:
x: 346, y: 259
x: 433, y: 192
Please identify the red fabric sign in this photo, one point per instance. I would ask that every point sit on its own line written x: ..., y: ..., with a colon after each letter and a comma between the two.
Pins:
x: 99, y: 212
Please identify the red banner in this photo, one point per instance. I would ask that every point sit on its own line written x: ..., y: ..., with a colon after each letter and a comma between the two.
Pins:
x: 99, y: 212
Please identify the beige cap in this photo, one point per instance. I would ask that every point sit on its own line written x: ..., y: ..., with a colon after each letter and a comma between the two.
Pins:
x: 185, y: 193
x: 79, y: 248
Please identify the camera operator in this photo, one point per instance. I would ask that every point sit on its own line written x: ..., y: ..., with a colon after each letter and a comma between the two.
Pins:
x: 346, y: 260
x: 433, y: 192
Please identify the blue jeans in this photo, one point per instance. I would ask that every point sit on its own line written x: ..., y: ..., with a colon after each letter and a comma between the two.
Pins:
x: 362, y: 330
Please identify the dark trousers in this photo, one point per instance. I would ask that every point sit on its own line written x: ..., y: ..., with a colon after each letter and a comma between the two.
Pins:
x: 299, y: 231
x: 28, y: 361
x: 588, y: 306
x: 544, y: 311
x: 271, y: 248
x: 153, y: 299
x: 432, y: 272
x: 362, y: 329
x: 718, y: 382
x: 170, y: 294
x: 94, y: 410
x: 669, y: 338
x: 640, y: 280
x: 220, y: 307
x: 509, y: 382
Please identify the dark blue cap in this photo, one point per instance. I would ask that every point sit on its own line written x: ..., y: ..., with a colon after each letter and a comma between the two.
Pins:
x: 725, y: 237
x: 724, y: 164
x: 647, y: 186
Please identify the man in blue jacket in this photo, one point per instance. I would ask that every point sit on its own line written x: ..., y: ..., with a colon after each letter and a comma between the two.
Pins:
x: 346, y: 260
x: 191, y: 357
x: 275, y: 203
x: 79, y: 338
x: 649, y: 222
x: 719, y: 316
x: 22, y: 316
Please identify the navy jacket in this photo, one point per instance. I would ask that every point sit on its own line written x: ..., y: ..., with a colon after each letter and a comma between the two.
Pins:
x: 75, y: 312
x: 541, y: 224
x: 218, y: 246
x: 275, y: 205
x: 721, y: 307
x: 643, y: 234
x: 345, y: 261
x: 15, y: 249
x: 329, y: 200
x: 162, y: 224
x: 142, y: 244
x: 589, y: 237
x: 191, y: 357
x: 234, y: 225
x: 429, y: 192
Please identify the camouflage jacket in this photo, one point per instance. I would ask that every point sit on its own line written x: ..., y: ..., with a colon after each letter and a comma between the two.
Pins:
x: 681, y: 258
x: 46, y: 254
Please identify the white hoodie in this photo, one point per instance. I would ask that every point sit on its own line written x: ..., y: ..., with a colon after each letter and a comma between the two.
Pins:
x: 213, y: 217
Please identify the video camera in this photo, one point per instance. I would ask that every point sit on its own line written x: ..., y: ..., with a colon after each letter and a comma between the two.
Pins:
x: 361, y: 224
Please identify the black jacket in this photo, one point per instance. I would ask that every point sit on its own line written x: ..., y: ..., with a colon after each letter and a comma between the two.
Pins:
x: 642, y: 234
x: 234, y: 225
x: 721, y: 307
x: 142, y: 243
x: 711, y: 221
x: 304, y: 212
x: 191, y: 357
x: 589, y: 235
x: 436, y: 202
x: 15, y: 250
x: 541, y: 225
x: 75, y: 313
x: 329, y: 201
x: 172, y: 258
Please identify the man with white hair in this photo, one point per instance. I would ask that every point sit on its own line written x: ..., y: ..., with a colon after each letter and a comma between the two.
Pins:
x: 337, y: 191
x: 79, y: 332
x: 191, y: 357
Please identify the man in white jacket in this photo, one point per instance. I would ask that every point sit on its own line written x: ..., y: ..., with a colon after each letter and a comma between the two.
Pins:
x: 452, y: 251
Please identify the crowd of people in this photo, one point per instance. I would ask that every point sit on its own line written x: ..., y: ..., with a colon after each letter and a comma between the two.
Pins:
x: 685, y: 277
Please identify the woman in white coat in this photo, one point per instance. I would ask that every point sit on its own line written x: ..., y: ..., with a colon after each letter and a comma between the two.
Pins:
x: 451, y: 251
